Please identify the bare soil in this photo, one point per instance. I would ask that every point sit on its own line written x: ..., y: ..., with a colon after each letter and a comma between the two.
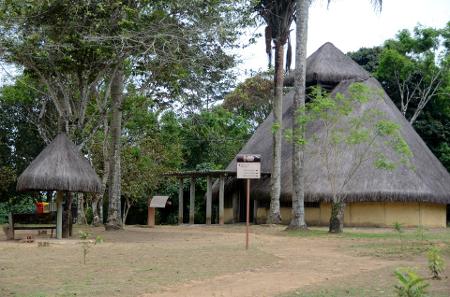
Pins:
x: 202, y: 261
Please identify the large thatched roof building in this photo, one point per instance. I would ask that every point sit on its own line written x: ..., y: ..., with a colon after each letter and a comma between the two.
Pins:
x: 375, y: 197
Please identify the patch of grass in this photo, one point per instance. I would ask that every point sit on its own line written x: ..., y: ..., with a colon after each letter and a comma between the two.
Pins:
x: 385, y: 243
x: 379, y: 283
x: 308, y: 233
x: 351, y: 292
x: 338, y: 292
x: 387, y: 233
x: 391, y: 250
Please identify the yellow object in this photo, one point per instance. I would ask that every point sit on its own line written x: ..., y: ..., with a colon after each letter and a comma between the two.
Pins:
x: 46, y: 207
x: 368, y: 214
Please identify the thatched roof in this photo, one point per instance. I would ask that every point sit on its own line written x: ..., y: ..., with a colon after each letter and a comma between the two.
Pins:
x: 60, y: 167
x: 429, y: 182
x: 329, y: 66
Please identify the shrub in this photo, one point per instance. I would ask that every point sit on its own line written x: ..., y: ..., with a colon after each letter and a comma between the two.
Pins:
x: 89, y: 215
x: 410, y: 283
x: 435, y: 262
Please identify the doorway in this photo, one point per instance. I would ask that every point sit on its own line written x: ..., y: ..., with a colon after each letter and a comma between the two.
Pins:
x: 243, y: 201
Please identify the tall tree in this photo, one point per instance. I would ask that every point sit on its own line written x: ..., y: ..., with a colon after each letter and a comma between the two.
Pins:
x: 114, y: 220
x: 416, y: 67
x: 171, y: 46
x: 298, y: 131
x: 278, y: 15
x: 302, y: 16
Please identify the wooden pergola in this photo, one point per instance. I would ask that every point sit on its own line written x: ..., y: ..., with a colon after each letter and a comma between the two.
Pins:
x: 209, y: 175
x: 192, y: 176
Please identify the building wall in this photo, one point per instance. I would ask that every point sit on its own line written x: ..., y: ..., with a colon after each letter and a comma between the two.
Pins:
x: 370, y: 214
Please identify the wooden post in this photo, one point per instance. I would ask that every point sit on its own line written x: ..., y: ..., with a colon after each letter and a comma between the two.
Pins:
x: 59, y: 214
x: 11, y: 226
x: 235, y: 208
x: 180, y: 202
x: 192, y: 201
x: 247, y: 214
x: 150, y: 214
x: 208, y: 199
x: 221, y: 198
x: 255, y: 211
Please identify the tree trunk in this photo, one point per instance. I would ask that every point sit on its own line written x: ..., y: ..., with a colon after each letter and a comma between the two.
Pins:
x: 95, y: 216
x: 337, y: 216
x: 81, y: 215
x: 298, y: 132
x: 275, y: 215
x: 126, y: 210
x: 100, y: 209
x: 97, y: 202
x: 114, y: 221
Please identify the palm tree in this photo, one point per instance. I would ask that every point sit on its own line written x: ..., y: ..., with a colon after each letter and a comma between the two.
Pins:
x: 278, y: 15
x: 298, y: 193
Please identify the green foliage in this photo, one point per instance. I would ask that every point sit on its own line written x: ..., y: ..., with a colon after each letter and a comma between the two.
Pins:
x: 368, y: 58
x: 17, y: 204
x: 436, y: 263
x: 19, y: 139
x: 346, y: 128
x: 211, y: 139
x: 410, y: 284
x: 350, y: 122
x: 251, y: 99
x: 414, y: 66
x: 83, y: 235
x: 420, y: 232
x: 89, y: 215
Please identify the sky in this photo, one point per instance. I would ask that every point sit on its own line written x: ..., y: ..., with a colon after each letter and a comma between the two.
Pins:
x: 352, y: 24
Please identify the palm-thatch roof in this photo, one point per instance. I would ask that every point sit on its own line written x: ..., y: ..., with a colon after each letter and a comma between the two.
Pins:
x: 428, y: 182
x: 60, y: 167
x: 329, y: 66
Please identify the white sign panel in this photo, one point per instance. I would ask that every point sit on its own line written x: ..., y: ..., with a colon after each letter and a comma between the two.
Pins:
x: 159, y: 201
x: 249, y: 170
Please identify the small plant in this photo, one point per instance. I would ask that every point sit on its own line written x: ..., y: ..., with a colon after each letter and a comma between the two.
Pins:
x: 410, y: 283
x: 435, y: 262
x: 420, y: 232
x: 87, y: 243
x: 398, y: 227
x: 83, y: 235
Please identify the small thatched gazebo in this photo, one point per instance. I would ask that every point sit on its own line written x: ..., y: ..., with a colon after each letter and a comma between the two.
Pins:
x: 59, y: 167
x: 374, y: 197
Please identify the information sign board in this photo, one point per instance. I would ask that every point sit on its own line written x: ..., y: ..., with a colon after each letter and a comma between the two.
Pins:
x: 248, y: 166
x: 158, y: 201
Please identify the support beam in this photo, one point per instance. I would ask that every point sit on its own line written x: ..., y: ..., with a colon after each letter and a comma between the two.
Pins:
x: 235, y: 207
x: 180, y: 202
x: 208, y: 199
x: 255, y: 211
x: 192, y: 201
x: 221, y: 198
x: 10, y: 234
x: 59, y: 214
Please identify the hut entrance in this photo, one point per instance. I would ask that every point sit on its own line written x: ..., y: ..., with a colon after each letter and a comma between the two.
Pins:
x: 243, y: 201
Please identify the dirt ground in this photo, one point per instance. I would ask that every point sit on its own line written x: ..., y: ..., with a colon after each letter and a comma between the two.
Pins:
x: 212, y: 261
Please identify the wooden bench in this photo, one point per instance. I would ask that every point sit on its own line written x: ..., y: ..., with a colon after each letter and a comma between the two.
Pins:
x: 31, y: 221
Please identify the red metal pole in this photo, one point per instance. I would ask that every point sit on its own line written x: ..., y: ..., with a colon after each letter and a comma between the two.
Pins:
x: 247, y: 223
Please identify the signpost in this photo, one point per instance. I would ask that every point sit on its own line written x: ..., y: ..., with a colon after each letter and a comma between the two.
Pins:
x: 155, y: 202
x: 248, y: 167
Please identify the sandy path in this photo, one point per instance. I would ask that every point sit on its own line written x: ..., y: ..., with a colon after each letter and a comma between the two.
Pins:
x: 302, y: 262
